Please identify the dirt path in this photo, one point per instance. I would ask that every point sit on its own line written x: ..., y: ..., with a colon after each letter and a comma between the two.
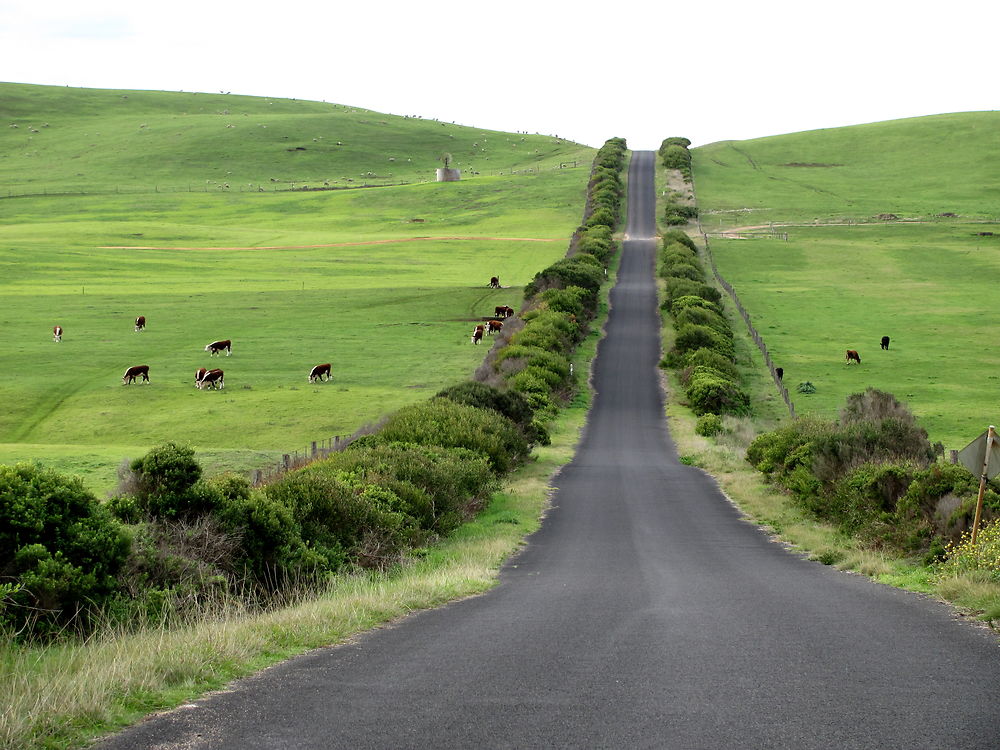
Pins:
x: 337, y: 244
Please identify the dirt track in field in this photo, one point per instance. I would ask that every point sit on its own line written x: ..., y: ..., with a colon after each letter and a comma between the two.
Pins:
x: 337, y: 244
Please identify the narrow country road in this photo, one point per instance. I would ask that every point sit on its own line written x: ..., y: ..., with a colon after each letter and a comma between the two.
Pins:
x: 645, y: 613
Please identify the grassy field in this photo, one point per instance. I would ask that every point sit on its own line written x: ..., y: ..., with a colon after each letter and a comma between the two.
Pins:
x: 69, y: 139
x: 383, y: 282
x: 843, y: 279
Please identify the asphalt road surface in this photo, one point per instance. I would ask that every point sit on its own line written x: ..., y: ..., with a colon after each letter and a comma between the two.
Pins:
x: 644, y: 613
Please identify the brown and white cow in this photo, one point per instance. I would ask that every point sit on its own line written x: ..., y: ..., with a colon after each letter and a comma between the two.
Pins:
x: 853, y: 356
x: 218, y: 346
x: 140, y: 323
x: 212, y: 379
x: 57, y: 333
x: 494, y: 282
x: 477, y: 335
x: 318, y: 372
x: 502, y: 311
x: 198, y: 375
x: 135, y: 371
x: 493, y: 326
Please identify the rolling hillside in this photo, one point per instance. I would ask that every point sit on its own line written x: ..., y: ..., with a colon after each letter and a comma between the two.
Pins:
x: 63, y: 139
x: 890, y: 231
x: 381, y: 282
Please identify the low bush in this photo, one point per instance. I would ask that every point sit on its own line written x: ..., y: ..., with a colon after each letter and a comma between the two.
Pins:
x: 708, y: 425
x: 677, y: 288
x: 442, y: 422
x: 60, y: 550
x: 704, y: 317
x: 713, y: 359
x: 691, y: 337
x: 709, y: 391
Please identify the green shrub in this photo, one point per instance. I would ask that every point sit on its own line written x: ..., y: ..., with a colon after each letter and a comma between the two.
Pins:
x: 708, y: 425
x: 676, y: 288
x: 572, y: 300
x: 345, y: 524
x: 683, y: 271
x: 533, y: 356
x: 981, y: 559
x: 704, y: 317
x: 708, y: 391
x: 60, y: 549
x: 445, y: 423
x: 711, y: 358
x: 603, y: 216
x: 691, y: 337
x: 886, y: 440
x: 166, y: 482
x: 781, y: 451
x: 685, y: 301
x: 581, y: 270
x: 677, y: 235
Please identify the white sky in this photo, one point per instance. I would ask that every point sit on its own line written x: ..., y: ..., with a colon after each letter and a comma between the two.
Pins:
x: 709, y: 70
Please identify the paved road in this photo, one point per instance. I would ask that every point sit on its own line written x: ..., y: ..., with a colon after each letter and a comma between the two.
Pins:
x: 644, y: 613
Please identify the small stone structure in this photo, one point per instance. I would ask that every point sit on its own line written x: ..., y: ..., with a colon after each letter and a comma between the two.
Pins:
x: 448, y: 174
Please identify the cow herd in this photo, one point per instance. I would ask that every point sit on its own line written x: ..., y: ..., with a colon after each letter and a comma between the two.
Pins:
x: 213, y: 379
x: 495, y: 324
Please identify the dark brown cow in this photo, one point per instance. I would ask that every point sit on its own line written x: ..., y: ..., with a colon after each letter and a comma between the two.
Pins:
x: 57, y: 333
x: 198, y: 375
x: 218, y: 346
x: 853, y: 356
x: 494, y: 282
x: 318, y: 372
x: 502, y: 311
x: 140, y: 323
x: 136, y: 371
x: 212, y: 379
x: 885, y: 342
x: 477, y: 335
x: 493, y: 326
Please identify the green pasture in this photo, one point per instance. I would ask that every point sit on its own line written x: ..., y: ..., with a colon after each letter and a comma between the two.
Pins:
x: 930, y: 288
x: 383, y: 282
x: 71, y: 140
x: 845, y: 278
x: 913, y: 168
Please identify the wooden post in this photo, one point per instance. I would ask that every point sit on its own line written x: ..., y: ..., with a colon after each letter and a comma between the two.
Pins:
x: 286, y: 460
x: 954, y: 456
x: 315, y: 450
x: 256, y: 478
x: 990, y: 437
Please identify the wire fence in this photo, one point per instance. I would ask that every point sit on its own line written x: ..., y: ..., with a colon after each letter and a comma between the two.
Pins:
x: 315, y: 451
x: 758, y: 339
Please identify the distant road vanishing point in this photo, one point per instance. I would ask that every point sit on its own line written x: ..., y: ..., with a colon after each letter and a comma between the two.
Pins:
x: 645, y: 613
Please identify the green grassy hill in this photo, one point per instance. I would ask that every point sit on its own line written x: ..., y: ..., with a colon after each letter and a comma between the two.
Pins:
x: 844, y: 278
x: 69, y: 139
x: 381, y: 282
x: 918, y: 167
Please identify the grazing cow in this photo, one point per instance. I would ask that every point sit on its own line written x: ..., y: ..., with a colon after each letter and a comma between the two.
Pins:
x: 494, y: 282
x: 853, y: 356
x: 198, y: 375
x: 217, y: 346
x: 885, y: 342
x: 136, y: 371
x: 212, y: 379
x: 780, y: 372
x: 493, y: 326
x: 57, y: 333
x: 477, y: 335
x: 140, y: 323
x: 502, y: 311
x: 318, y: 372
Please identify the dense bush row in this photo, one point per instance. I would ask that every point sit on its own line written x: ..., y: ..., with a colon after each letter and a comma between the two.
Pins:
x: 873, y: 472
x: 674, y: 154
x: 171, y: 540
x: 704, y: 351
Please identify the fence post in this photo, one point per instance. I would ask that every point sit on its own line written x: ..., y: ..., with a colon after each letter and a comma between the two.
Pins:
x: 255, y: 481
x: 286, y: 460
x: 954, y: 456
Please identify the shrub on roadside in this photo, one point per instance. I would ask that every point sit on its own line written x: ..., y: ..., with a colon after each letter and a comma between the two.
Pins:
x: 60, y: 549
x: 709, y: 391
x: 708, y: 425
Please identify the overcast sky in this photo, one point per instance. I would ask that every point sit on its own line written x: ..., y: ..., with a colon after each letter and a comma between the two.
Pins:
x: 705, y: 69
